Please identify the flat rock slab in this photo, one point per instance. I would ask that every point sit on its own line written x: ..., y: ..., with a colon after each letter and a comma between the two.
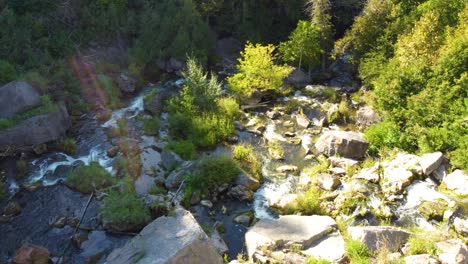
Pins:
x: 429, y: 162
x: 346, y: 144
x: 175, y: 239
x: 96, y: 246
x: 421, y: 259
x: 457, y: 181
x: 378, y: 237
x: 330, y: 247
x: 288, y: 230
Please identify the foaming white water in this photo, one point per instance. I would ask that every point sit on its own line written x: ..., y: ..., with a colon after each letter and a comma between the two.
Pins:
x: 419, y: 192
x: 135, y: 107
x: 270, y: 133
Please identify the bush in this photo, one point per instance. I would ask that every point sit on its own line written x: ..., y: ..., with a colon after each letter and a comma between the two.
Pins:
x: 383, y: 134
x: 211, y: 173
x: 87, y: 179
x: 229, y: 107
x: 129, y: 166
x: 37, y: 80
x: 423, y: 242
x: 307, y: 203
x: 67, y: 145
x: 7, y: 72
x: 357, y: 252
x: 112, y: 92
x: 125, y: 208
x: 248, y: 160
x: 151, y: 126
x: 157, y: 189
x: 184, y: 148
x: 208, y: 130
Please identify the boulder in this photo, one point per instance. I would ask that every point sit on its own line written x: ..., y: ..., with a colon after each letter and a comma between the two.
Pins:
x: 17, y: 97
x: 378, y: 237
x: 347, y: 144
x: 126, y: 84
x: 95, y: 247
x: 248, y: 181
x: 298, y: 78
x: 399, y: 172
x: 12, y: 208
x: 302, y: 120
x: 429, y: 162
x: 366, y: 116
x: 327, y: 181
x: 177, y: 239
x: 461, y: 226
x: 243, y: 219
x: 457, y: 181
x: 29, y: 254
x: 342, y: 162
x: 36, y: 130
x: 176, y: 177
x: 169, y: 159
x: 218, y: 242
x: 206, y: 203
x: 371, y: 174
x: 143, y: 185
x: 452, y: 251
x: 330, y: 247
x: 286, y: 231
x: 155, y: 103
x: 421, y: 259
x: 241, y: 193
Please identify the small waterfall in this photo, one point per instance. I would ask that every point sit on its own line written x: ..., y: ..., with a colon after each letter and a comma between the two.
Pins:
x: 270, y: 133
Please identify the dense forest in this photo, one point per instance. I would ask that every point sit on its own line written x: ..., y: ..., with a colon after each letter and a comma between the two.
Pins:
x: 147, y: 105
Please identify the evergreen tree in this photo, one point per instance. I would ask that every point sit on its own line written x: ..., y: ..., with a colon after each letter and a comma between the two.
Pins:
x: 319, y: 12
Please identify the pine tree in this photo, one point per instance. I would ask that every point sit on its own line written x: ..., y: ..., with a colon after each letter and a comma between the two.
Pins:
x: 319, y: 13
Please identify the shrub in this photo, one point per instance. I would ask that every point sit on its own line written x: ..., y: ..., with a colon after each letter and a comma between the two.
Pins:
x: 307, y: 203
x: 37, y: 80
x: 208, y: 130
x: 125, y: 208
x: 248, y: 160
x: 157, y: 189
x: 111, y: 90
x: 151, y: 126
x: 7, y: 72
x: 383, y: 134
x: 313, y: 260
x: 184, y: 148
x: 129, y: 166
x: 67, y: 145
x: 211, y: 173
x: 357, y: 252
x: 423, y: 242
x: 88, y: 178
x: 229, y: 107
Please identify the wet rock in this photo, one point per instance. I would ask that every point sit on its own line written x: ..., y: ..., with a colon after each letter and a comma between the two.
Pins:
x: 169, y: 159
x: 95, y: 247
x: 430, y: 162
x: 79, y: 237
x: 421, y: 259
x: 244, y: 218
x: 366, y: 116
x: 302, y: 120
x: 342, y: 162
x: 433, y: 210
x: 461, y: 226
x: 378, y: 237
x: 168, y: 239
x: 452, y: 251
x: 218, y: 242
x: 287, y: 231
x: 287, y: 168
x: 176, y: 177
x: 347, y: 144
x: 457, y: 182
x: 31, y: 254
x: 248, y: 181
x: 206, y: 203
x: 330, y: 247
x: 241, y: 193
x: 233, y: 139
x: 17, y: 97
x: 239, y: 126
x: 327, y: 181
x: 12, y: 208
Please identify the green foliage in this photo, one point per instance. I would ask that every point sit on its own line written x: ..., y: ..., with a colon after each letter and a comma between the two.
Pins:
x: 307, y: 203
x: 313, y: 260
x: 184, y: 148
x: 357, y: 252
x: 257, y: 71
x: 331, y: 95
x: 229, y: 107
x: 67, y: 145
x: 384, y: 134
x: 89, y: 178
x: 422, y: 242
x: 7, y: 72
x: 211, y: 173
x: 303, y: 45
x: 321, y: 19
x: 113, y: 93
x: 248, y: 160
x: 151, y: 126
x: 157, y: 190
x: 125, y: 208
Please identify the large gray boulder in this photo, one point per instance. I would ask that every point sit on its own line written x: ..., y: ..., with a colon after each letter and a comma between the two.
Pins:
x: 36, y: 130
x: 177, y: 239
x: 286, y: 231
x: 452, y: 251
x: 457, y: 182
x: 17, y: 97
x: 378, y: 237
x: 346, y: 144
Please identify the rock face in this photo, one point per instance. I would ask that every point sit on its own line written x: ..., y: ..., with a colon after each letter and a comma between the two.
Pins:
x: 36, y: 130
x: 347, y: 144
x: 17, y: 97
x: 287, y: 230
x: 453, y: 251
x: 457, y: 181
x: 171, y: 239
x: 377, y: 237
x: 31, y: 254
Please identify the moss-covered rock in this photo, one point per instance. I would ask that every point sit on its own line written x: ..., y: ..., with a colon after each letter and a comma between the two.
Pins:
x: 433, y: 210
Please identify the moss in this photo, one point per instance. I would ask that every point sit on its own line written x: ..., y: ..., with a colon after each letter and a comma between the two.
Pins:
x: 331, y: 95
x: 433, y: 210
x: 423, y: 242
x: 86, y: 179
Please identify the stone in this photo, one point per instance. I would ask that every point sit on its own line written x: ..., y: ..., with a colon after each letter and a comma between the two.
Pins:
x: 17, y: 97
x: 12, y: 208
x: 316, y: 90
x: 241, y: 193
x: 399, y: 172
x: 346, y: 144
x: 302, y: 120
x: 218, y: 242
x: 298, y: 78
x: 248, y: 181
x: 421, y: 259
x: 330, y: 247
x: 112, y: 152
x: 176, y: 239
x: 378, y: 237
x: 366, y: 116
x: 61, y: 222
x: 287, y: 168
x: 36, y: 130
x: 238, y: 125
x: 327, y: 181
x: 95, y: 247
x: 79, y: 237
x: 281, y: 203
x: 126, y: 84
x: 286, y: 231
x: 289, y: 134
x: 272, y: 114
x: 370, y: 174
x: 452, y: 251
x: 440, y: 173
x: 457, y: 182
x: 461, y: 226
x: 430, y: 162
x: 243, y: 219
x: 150, y: 160
x: 342, y: 162
x: 169, y: 159
x: 143, y: 185
x: 176, y: 177
x: 156, y: 101
x: 31, y: 254
x: 206, y: 203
